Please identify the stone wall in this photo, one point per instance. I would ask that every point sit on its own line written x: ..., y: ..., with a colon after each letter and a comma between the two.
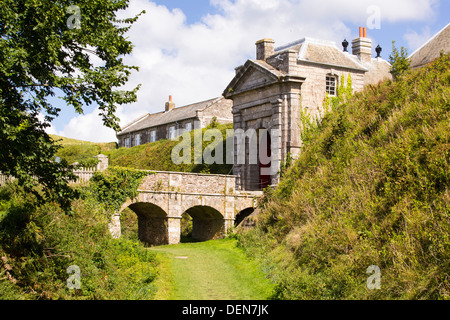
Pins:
x: 221, y: 110
x: 379, y: 70
x: 314, y: 87
x: 189, y: 183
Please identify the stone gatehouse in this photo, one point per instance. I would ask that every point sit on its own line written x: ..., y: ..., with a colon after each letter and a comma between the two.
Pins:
x: 270, y: 91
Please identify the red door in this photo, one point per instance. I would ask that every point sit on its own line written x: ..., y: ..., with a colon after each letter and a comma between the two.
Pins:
x: 264, y: 169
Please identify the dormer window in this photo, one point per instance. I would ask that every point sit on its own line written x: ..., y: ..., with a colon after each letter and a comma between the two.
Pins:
x: 331, y: 85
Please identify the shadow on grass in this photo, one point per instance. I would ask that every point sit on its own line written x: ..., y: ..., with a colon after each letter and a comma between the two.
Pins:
x: 189, y: 239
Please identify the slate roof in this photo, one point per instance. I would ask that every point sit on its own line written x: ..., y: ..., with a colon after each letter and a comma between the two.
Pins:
x: 162, y: 118
x: 322, y: 52
x: 432, y: 48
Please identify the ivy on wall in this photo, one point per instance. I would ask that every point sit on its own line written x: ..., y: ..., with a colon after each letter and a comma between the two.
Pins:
x: 114, y: 186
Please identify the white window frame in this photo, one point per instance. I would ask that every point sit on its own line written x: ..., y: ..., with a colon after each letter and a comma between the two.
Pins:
x: 153, y: 136
x: 172, y: 133
x: 137, y: 140
x: 127, y: 142
x: 188, y: 127
x: 331, y: 85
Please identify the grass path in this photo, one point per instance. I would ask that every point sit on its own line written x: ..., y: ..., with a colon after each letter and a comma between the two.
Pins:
x: 212, y: 270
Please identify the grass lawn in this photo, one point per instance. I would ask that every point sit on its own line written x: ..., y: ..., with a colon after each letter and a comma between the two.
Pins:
x: 212, y: 270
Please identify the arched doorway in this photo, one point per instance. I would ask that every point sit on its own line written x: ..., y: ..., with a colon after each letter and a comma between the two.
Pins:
x: 152, y: 223
x: 207, y: 223
x: 265, y: 159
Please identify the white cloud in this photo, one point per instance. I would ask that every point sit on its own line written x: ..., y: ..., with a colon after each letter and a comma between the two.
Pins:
x: 196, y: 62
x: 416, y: 40
x: 87, y: 127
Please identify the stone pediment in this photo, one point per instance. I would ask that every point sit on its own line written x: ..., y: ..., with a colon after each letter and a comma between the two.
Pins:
x: 254, y: 74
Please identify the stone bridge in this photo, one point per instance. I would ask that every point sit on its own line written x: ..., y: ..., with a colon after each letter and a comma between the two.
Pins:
x: 211, y: 200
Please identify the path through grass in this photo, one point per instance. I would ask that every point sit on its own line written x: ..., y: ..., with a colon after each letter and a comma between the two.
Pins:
x: 212, y: 270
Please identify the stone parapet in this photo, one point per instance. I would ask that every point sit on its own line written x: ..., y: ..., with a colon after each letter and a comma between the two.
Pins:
x: 189, y: 183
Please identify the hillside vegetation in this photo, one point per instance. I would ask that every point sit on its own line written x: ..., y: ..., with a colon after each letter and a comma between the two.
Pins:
x: 80, y: 151
x: 371, y: 187
x: 151, y: 156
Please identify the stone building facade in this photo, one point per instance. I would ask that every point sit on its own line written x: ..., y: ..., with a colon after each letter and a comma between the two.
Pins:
x: 269, y: 92
x: 170, y: 123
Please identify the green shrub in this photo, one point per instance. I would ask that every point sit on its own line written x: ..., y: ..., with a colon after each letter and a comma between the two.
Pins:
x: 114, y: 186
x: 39, y: 243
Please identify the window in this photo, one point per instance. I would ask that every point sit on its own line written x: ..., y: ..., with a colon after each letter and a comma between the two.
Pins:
x: 172, y: 133
x: 189, y: 127
x: 127, y: 142
x: 137, y: 140
x: 153, y: 136
x: 331, y: 85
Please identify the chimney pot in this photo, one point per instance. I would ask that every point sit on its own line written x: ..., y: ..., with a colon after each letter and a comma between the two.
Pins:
x: 362, y: 46
x: 170, y: 105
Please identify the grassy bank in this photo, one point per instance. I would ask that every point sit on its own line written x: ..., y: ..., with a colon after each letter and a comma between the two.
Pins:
x: 80, y: 151
x: 371, y: 187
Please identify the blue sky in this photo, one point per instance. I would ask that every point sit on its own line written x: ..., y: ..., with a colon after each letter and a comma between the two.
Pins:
x: 193, y: 9
x: 189, y: 49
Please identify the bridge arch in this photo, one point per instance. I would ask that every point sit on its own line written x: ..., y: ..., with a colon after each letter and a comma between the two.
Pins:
x: 241, y: 215
x: 152, y: 223
x: 207, y: 223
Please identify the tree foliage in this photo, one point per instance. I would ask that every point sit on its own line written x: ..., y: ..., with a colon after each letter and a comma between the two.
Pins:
x: 399, y: 61
x: 43, y: 55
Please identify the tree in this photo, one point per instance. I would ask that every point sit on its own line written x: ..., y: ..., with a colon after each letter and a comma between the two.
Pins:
x: 399, y: 61
x: 47, y: 48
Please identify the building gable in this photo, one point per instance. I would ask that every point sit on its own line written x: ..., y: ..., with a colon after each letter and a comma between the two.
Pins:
x: 257, y: 74
x: 254, y: 74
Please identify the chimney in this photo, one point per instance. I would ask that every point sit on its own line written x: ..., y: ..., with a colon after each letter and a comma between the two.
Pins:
x: 264, y: 49
x: 170, y: 105
x: 362, y: 46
